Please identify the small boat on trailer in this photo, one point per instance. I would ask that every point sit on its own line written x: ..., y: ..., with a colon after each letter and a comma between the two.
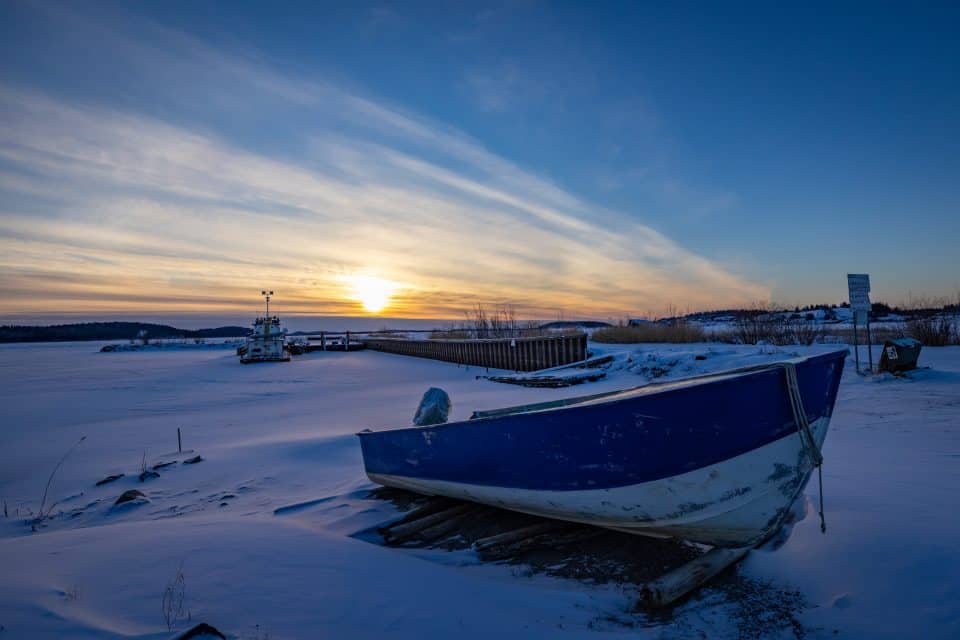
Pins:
x: 268, y: 342
x: 716, y: 459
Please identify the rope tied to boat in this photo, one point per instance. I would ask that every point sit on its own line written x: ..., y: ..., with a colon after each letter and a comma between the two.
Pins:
x: 803, y: 427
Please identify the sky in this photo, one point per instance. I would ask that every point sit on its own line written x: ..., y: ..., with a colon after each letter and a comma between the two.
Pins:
x: 410, y: 160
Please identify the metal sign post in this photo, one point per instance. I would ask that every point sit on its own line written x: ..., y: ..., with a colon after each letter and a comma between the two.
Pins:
x: 856, y: 344
x: 858, y: 285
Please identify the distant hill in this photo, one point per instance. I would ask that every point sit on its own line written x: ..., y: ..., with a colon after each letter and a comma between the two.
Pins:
x: 575, y: 324
x: 110, y: 331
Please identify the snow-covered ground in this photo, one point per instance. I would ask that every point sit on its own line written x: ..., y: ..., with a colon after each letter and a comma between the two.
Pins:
x: 262, y: 526
x: 166, y: 344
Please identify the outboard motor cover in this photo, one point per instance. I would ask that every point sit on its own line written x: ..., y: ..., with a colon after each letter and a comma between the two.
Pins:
x: 434, y: 408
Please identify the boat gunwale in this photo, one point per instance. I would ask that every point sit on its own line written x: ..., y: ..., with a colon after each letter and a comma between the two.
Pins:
x: 625, y: 395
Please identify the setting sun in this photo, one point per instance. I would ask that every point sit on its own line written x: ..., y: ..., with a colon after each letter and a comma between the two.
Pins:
x: 372, y: 293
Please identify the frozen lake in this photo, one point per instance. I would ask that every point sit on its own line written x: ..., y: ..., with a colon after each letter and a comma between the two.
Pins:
x: 279, y: 434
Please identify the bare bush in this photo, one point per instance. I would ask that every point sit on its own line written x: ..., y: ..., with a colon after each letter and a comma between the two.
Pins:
x: 934, y: 331
x: 759, y: 326
x: 764, y: 324
x: 677, y: 332
x: 878, y: 335
x: 173, y: 603
x: 805, y: 332
x: 499, y: 322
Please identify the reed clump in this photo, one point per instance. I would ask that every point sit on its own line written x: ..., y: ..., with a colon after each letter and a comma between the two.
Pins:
x: 934, y: 331
x: 676, y: 332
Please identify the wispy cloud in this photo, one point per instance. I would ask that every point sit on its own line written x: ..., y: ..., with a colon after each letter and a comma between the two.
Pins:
x: 109, y: 206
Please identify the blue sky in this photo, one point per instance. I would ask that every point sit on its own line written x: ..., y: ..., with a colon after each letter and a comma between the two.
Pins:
x: 597, y: 159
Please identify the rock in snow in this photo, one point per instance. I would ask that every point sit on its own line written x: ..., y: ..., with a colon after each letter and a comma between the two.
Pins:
x: 202, y: 630
x: 129, y: 496
x: 109, y: 479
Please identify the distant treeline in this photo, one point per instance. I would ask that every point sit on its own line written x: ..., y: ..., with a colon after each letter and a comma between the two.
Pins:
x: 877, y: 310
x: 111, y: 331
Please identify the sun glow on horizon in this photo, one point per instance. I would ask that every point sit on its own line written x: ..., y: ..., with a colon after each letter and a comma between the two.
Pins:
x: 408, y: 216
x: 373, y: 293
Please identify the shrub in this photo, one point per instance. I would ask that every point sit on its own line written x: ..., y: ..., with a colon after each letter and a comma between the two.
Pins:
x: 677, y: 332
x: 878, y: 335
x: 805, y: 332
x: 934, y: 331
x: 500, y: 321
x: 775, y: 328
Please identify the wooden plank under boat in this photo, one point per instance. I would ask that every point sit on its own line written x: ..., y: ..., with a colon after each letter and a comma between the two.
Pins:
x: 715, y: 459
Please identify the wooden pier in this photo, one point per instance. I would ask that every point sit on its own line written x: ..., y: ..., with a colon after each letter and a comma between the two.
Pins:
x: 517, y: 354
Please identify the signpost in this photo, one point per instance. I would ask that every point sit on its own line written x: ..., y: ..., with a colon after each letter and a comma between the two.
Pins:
x: 858, y: 285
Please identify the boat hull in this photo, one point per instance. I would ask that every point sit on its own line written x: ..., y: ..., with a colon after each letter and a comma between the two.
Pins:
x: 267, y: 343
x: 265, y: 350
x: 729, y: 504
x: 712, y: 474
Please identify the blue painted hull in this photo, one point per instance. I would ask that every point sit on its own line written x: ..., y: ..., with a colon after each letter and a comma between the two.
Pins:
x: 632, y: 446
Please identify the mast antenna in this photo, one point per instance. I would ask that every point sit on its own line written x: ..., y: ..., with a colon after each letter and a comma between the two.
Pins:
x: 266, y: 294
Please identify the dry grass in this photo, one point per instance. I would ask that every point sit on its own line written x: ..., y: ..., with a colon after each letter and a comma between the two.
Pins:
x: 934, y: 331
x: 773, y: 329
x: 793, y: 333
x: 878, y: 335
x: 45, y: 511
x: 450, y: 334
x: 524, y: 330
x: 679, y: 332
x: 173, y: 601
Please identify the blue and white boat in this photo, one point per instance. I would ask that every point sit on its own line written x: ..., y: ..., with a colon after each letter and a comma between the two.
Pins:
x: 715, y: 459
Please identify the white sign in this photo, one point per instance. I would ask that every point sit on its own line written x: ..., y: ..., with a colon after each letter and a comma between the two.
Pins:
x: 859, y: 286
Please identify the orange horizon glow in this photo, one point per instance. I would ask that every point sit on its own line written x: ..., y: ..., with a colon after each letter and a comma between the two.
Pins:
x: 352, y: 204
x: 162, y: 221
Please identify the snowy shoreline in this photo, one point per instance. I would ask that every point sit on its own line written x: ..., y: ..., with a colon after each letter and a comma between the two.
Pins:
x: 276, y: 435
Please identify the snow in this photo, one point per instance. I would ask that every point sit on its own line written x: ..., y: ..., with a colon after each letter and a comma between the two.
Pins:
x: 264, y: 525
x: 167, y: 344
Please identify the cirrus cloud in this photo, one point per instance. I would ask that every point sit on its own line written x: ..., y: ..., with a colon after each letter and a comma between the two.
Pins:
x: 109, y: 207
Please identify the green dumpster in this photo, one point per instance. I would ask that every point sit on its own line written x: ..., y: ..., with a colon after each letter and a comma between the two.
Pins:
x: 900, y: 355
